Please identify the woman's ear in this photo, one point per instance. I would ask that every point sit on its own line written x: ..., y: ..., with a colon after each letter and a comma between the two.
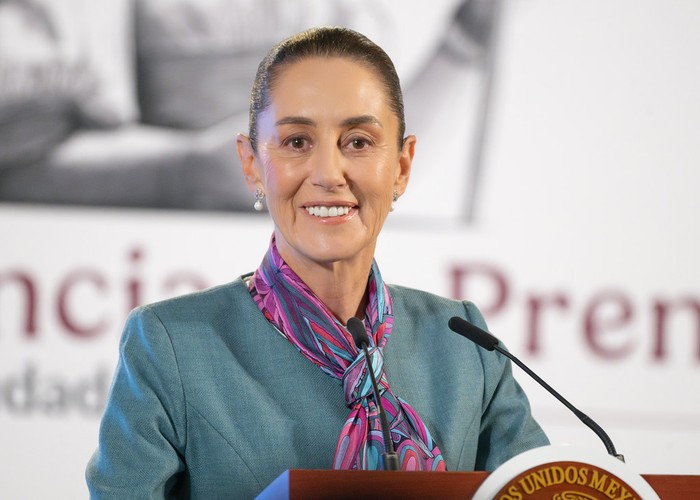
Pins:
x: 405, y: 161
x: 249, y: 164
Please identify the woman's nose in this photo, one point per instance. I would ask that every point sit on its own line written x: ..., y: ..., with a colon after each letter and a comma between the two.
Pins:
x: 327, y: 169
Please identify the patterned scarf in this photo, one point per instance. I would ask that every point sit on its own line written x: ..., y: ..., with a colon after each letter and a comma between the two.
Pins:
x: 300, y: 316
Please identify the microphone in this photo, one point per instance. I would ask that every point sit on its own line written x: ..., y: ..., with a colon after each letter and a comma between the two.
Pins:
x: 491, y: 343
x: 390, y: 460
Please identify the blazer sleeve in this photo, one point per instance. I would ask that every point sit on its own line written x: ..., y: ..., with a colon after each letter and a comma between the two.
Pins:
x: 142, y: 433
x: 507, y: 426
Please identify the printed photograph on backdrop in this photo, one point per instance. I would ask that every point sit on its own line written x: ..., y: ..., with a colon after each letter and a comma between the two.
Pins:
x: 137, y: 104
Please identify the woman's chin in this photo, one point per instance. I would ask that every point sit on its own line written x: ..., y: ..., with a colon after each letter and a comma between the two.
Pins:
x: 326, y: 256
x: 326, y: 251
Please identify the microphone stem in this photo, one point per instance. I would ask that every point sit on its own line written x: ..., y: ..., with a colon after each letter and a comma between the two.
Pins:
x: 597, y: 429
x: 389, y: 458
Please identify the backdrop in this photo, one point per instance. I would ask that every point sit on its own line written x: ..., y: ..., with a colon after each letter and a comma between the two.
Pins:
x: 555, y: 184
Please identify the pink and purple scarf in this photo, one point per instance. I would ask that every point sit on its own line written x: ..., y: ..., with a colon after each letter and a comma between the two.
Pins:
x: 300, y: 316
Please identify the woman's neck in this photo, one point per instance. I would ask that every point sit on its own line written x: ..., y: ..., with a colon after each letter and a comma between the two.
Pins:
x: 341, y: 286
x: 344, y: 293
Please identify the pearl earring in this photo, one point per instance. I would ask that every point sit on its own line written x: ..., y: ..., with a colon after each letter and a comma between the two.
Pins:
x: 259, y: 197
x: 393, y: 200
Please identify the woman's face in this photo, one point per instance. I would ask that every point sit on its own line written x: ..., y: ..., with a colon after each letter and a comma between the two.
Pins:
x: 328, y: 161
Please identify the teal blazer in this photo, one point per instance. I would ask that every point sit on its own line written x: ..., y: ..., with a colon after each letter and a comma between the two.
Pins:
x: 210, y: 401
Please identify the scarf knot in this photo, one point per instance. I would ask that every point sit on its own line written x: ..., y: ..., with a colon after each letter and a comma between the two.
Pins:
x: 357, y: 383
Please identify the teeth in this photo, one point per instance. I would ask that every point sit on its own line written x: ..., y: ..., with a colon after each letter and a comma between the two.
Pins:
x: 321, y: 211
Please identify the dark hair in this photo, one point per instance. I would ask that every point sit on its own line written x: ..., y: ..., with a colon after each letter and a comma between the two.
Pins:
x: 324, y: 42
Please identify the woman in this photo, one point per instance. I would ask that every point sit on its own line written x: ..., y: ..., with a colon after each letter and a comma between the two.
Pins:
x: 217, y: 393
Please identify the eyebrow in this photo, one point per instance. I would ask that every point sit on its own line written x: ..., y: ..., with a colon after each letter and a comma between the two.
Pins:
x: 295, y: 120
x: 353, y: 121
x: 361, y: 120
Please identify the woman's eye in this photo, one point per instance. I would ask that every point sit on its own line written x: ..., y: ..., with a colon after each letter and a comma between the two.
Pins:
x: 298, y: 143
x: 358, y: 144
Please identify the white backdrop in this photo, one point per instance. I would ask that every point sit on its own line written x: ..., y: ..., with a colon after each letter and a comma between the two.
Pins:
x: 583, y: 250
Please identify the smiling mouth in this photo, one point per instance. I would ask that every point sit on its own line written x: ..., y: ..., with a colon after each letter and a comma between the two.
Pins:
x: 323, y: 211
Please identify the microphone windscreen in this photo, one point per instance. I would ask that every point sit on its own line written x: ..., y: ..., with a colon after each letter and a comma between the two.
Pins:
x: 357, y: 329
x: 473, y: 333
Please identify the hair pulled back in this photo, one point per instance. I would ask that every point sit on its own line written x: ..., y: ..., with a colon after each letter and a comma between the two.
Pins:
x: 324, y: 42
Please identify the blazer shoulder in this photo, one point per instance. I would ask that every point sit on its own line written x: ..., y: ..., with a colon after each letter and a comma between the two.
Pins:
x: 228, y: 296
x: 422, y: 302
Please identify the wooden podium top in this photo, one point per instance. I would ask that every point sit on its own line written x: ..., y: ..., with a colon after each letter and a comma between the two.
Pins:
x: 321, y: 484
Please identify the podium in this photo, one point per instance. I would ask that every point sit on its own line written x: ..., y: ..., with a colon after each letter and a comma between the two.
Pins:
x: 323, y: 484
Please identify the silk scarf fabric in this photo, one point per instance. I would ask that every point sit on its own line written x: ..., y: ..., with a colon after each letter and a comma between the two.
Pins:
x: 300, y: 316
